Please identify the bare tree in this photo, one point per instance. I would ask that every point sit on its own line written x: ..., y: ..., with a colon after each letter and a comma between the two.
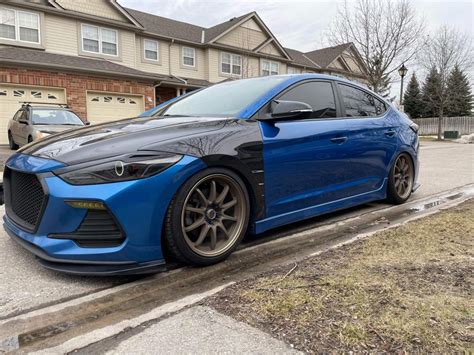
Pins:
x: 443, y: 51
x: 385, y: 33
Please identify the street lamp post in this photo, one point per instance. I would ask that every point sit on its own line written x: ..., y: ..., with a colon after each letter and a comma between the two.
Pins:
x: 402, y: 71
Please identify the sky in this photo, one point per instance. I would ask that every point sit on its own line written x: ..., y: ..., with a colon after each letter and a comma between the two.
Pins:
x: 301, y: 24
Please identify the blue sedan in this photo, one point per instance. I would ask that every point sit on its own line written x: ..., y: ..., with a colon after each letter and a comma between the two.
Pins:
x: 202, y: 171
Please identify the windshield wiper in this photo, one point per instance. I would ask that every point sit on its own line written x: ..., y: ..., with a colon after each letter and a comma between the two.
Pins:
x: 167, y: 115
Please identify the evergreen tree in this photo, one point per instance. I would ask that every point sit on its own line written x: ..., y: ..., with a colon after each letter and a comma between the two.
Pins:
x: 412, y: 99
x: 459, y: 94
x: 431, y: 94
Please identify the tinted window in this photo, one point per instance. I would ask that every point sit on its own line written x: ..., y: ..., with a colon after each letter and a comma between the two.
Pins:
x: 225, y: 99
x: 380, y: 107
x: 319, y: 95
x: 359, y: 103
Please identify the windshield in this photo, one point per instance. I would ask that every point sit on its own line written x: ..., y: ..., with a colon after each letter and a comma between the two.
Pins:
x: 55, y: 117
x: 225, y: 99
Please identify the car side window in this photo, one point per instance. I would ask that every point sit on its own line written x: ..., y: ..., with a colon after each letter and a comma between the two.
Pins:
x: 359, y: 103
x: 17, y: 115
x: 23, y: 116
x: 318, y: 94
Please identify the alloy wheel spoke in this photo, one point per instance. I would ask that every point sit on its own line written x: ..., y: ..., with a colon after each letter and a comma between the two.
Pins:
x: 202, y: 197
x: 195, y: 209
x: 229, y: 218
x: 228, y: 205
x: 202, y: 235
x: 194, y: 225
x: 223, y: 229
x: 223, y: 194
x: 213, y: 237
x: 213, y: 191
x: 397, y: 182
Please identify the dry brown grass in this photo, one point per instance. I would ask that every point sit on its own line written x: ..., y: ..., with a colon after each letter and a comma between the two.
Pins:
x: 405, y: 289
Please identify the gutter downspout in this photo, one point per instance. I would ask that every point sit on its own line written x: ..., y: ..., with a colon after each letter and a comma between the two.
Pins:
x: 170, y: 71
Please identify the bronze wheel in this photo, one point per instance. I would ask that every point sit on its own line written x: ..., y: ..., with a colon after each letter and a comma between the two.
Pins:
x: 212, y: 215
x: 208, y: 217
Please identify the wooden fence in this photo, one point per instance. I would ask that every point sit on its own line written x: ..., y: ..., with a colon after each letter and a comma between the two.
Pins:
x: 429, y: 126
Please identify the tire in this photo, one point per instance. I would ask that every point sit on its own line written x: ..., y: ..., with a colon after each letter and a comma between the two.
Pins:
x: 400, y: 180
x: 200, y: 227
x: 11, y: 142
x: 30, y: 139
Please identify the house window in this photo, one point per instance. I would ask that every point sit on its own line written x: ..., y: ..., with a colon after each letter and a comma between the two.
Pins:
x: 231, y: 64
x: 189, y: 56
x: 270, y: 68
x: 151, y: 50
x: 99, y: 40
x: 18, y: 93
x: 19, y: 25
x: 292, y: 70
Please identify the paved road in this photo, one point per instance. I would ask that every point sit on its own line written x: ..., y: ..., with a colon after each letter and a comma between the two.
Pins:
x: 25, y: 285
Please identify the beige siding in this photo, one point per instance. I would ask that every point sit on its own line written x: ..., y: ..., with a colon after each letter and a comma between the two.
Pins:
x: 101, y: 8
x: 128, y: 48
x: 242, y: 37
x: 177, y: 68
x: 61, y: 35
x: 271, y: 49
x: 351, y: 62
x: 250, y: 66
x: 337, y: 65
x: 160, y: 67
x: 252, y: 24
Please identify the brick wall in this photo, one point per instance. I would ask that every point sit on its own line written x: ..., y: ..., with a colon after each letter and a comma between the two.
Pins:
x: 164, y: 94
x: 76, y: 85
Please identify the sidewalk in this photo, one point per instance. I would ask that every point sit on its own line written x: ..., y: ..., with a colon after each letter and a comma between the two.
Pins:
x: 201, y: 330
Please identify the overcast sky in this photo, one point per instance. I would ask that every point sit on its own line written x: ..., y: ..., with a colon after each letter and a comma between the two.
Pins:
x: 298, y: 24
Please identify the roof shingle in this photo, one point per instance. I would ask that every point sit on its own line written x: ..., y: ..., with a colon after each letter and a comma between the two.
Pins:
x: 163, y: 26
x: 326, y: 56
x: 36, y: 57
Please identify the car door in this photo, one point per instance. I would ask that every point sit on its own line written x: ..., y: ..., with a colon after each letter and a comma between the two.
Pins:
x: 15, y: 126
x: 305, y: 160
x: 372, y: 137
x: 23, y: 127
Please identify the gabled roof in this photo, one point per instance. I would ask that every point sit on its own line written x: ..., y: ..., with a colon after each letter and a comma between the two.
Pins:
x: 213, y: 32
x: 326, y: 56
x: 301, y: 59
x: 113, y: 3
x: 166, y: 27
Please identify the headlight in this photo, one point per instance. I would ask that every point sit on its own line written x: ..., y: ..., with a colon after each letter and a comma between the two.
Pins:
x: 40, y: 135
x: 130, y: 168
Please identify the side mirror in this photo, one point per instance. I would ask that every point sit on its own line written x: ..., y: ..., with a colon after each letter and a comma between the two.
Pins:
x: 87, y: 123
x: 281, y: 110
x: 23, y: 122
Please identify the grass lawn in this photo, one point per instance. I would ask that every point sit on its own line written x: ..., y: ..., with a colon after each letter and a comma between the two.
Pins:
x: 404, y: 289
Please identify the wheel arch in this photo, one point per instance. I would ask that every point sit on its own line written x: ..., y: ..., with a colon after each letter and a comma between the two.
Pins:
x: 253, y: 181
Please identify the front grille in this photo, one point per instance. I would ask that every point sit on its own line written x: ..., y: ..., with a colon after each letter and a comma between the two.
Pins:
x: 98, y: 229
x: 24, y: 198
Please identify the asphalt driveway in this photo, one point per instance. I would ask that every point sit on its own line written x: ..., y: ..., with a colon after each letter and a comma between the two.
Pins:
x: 25, y: 285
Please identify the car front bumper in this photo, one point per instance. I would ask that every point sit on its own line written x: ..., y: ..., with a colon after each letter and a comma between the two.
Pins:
x: 139, y: 207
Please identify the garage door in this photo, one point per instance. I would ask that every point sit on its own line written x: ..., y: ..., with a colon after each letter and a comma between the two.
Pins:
x: 11, y: 96
x: 104, y: 107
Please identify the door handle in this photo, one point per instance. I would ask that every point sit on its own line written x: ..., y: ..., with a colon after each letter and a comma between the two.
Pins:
x: 339, y: 140
x: 390, y: 133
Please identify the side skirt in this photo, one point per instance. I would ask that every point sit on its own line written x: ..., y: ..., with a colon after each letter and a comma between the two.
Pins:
x: 313, y: 211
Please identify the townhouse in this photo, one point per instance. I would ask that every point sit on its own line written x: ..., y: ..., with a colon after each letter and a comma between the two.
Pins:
x: 108, y: 62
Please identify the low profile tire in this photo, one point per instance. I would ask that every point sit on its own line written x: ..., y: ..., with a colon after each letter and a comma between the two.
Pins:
x: 11, y: 142
x: 400, y: 180
x: 207, y: 218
